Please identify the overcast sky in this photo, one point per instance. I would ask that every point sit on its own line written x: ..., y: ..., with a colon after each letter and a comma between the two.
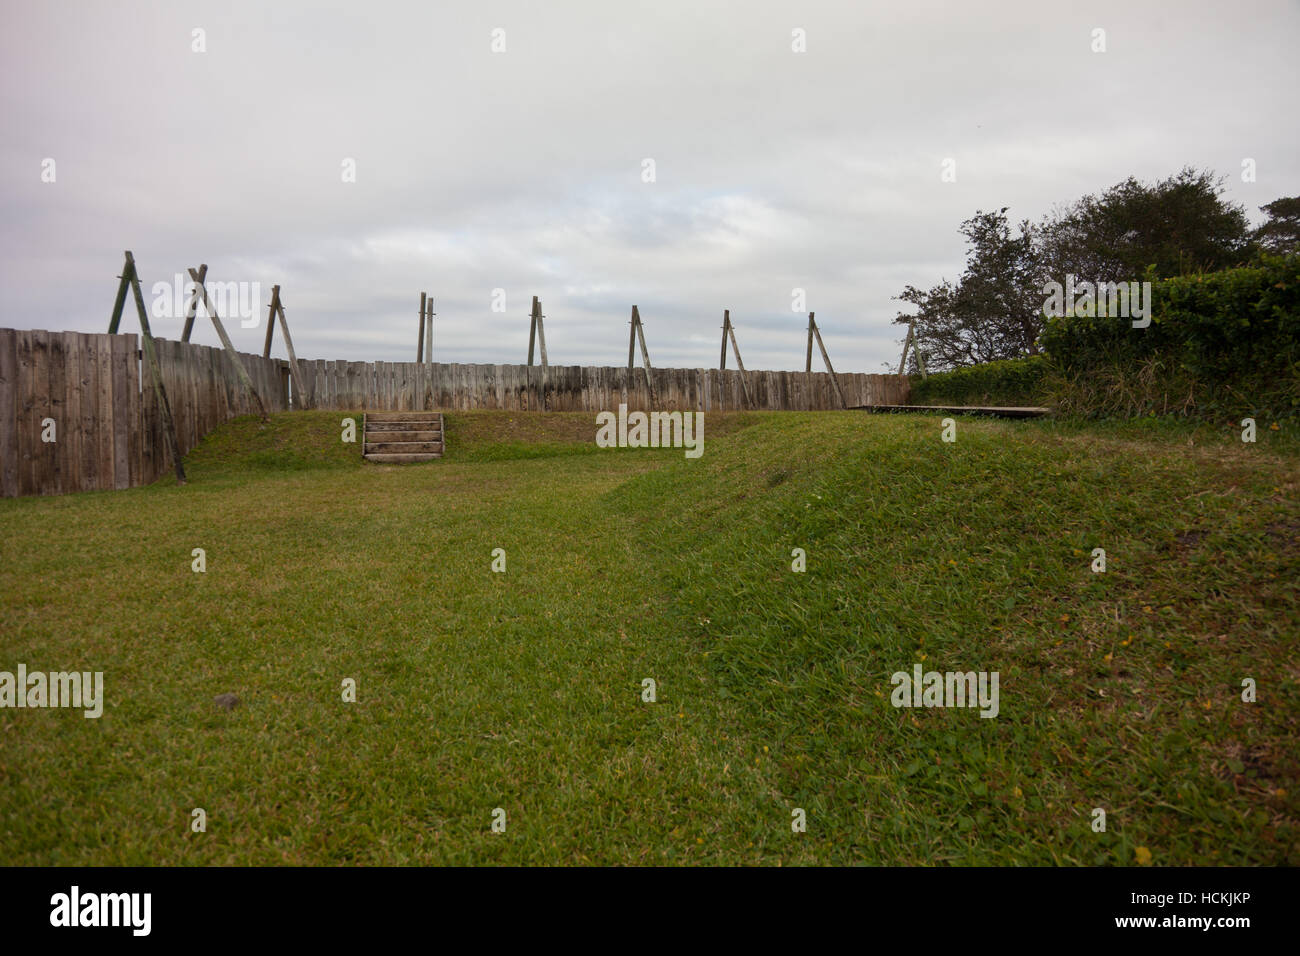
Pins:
x: 523, y: 170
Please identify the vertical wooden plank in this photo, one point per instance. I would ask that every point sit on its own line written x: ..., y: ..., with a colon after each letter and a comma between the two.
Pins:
x: 139, y: 424
x: 87, y: 467
x: 123, y: 349
x: 72, y: 412
x: 11, y: 413
x: 103, y: 346
x: 42, y: 471
x: 196, y: 393
x: 8, y: 413
x: 56, y: 451
x: 17, y: 463
x: 146, y: 453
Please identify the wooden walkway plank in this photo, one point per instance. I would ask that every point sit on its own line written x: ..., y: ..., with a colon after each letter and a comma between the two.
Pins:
x: 1000, y: 411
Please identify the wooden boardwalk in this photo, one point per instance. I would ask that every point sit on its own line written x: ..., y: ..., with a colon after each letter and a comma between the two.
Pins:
x: 401, y: 437
x: 1000, y: 411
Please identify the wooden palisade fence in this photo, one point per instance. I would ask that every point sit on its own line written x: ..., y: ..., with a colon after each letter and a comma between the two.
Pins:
x: 108, y: 430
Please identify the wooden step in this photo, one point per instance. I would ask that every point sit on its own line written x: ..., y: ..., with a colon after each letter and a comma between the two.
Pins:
x: 390, y: 459
x: 404, y: 428
x: 402, y: 437
x: 403, y: 416
x: 402, y: 447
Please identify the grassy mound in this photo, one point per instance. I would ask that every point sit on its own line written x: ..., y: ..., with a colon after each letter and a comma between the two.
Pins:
x: 523, y: 690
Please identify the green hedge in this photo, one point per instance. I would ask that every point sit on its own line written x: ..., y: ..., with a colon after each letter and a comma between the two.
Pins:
x: 1021, y: 381
x: 1219, y: 343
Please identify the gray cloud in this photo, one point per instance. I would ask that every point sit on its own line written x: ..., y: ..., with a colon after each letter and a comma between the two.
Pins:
x: 522, y: 170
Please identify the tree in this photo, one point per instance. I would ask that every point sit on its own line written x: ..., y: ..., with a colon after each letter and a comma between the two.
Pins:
x: 994, y: 311
x: 1179, y: 225
x: 1280, y: 233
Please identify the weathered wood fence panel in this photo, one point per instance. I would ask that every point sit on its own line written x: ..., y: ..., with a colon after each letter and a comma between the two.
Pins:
x: 406, y: 386
x: 83, y: 392
x: 107, y: 429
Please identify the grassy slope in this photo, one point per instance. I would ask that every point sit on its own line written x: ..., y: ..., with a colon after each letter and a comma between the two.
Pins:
x: 522, y: 690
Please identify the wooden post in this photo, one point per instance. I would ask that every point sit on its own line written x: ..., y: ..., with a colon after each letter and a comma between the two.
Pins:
x: 835, y: 381
x: 428, y: 339
x: 808, y: 362
x: 419, y: 348
x: 722, y: 359
x: 807, y: 368
x: 537, y: 335
x: 118, y: 304
x: 192, y: 307
x: 638, y: 333
x: 541, y: 339
x: 532, y: 330
x: 907, y: 343
x: 541, y: 344
x: 730, y: 330
x: 432, y: 368
x: 229, y: 346
x: 270, y: 322
x: 155, y: 373
x: 278, y: 307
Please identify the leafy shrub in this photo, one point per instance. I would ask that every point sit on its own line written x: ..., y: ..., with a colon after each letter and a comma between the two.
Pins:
x: 1020, y: 381
x: 1218, y: 343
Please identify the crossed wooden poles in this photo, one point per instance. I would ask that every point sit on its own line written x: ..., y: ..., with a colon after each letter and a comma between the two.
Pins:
x: 636, y: 336
x: 130, y: 279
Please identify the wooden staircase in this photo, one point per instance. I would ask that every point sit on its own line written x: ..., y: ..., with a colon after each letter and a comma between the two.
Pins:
x: 399, y: 437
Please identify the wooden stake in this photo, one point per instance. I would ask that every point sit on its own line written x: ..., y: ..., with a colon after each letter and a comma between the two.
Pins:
x: 229, y: 346
x: 428, y: 339
x: 278, y: 307
x: 541, y: 344
x: 835, y: 381
x: 907, y: 342
x: 638, y: 333
x: 532, y: 330
x: 419, y: 348
x: 192, y: 307
x: 537, y: 335
x: 270, y: 322
x: 155, y: 373
x: 808, y: 362
x: 729, y: 331
x: 122, y: 285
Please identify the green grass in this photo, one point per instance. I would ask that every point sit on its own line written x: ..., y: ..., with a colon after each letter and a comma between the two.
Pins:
x: 522, y: 690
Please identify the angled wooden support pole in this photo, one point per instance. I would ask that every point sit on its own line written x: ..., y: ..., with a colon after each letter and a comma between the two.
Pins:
x: 155, y: 373
x: 638, y: 334
x: 913, y: 342
x: 192, y: 307
x: 270, y: 321
x: 835, y: 380
x: 124, y: 283
x: 907, y: 344
x: 227, y: 344
x: 428, y: 330
x: 729, y: 332
x: 277, y: 307
x: 537, y: 337
x: 419, y: 348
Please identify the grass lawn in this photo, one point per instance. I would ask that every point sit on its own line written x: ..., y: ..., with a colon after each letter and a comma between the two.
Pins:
x: 523, y: 690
